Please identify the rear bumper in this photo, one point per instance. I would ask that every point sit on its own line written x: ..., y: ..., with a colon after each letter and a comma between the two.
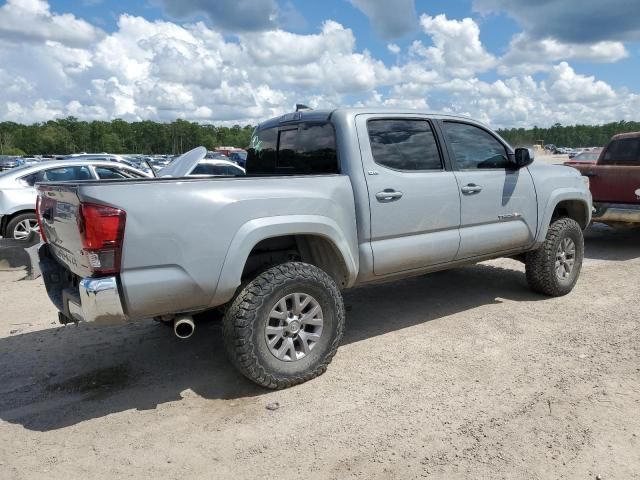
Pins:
x: 617, y: 212
x: 93, y: 300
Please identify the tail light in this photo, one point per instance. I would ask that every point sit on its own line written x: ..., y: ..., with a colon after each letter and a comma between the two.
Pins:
x: 38, y: 211
x: 102, y: 231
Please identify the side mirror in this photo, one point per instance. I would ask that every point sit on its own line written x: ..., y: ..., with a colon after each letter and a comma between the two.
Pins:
x: 523, y: 157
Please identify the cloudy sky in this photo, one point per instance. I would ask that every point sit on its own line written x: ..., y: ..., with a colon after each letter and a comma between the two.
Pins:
x: 506, y: 62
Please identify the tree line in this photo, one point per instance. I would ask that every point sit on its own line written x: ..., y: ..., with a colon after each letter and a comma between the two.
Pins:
x: 70, y: 135
x: 568, y: 136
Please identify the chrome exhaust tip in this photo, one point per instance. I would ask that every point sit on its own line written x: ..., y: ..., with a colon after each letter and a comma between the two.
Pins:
x: 184, y: 327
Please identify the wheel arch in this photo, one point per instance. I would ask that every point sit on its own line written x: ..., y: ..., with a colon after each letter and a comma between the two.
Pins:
x: 565, y: 203
x: 575, y: 209
x: 308, y: 238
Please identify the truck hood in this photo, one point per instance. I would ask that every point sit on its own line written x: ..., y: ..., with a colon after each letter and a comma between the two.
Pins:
x: 184, y: 164
x: 545, y: 169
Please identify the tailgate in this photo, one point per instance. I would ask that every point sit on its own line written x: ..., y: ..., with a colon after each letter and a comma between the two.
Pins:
x: 58, y: 215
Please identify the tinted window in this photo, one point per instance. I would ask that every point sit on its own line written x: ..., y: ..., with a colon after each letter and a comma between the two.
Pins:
x: 32, y: 178
x: 65, y: 174
x: 317, y: 149
x: 474, y: 148
x: 404, y: 144
x: 304, y: 149
x: 106, y: 173
x: 234, y: 171
x: 286, y: 157
x: 211, y: 169
x: 625, y: 150
x: 261, y: 156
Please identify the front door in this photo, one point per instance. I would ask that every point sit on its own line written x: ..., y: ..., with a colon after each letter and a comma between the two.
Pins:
x: 414, y: 199
x: 499, y: 203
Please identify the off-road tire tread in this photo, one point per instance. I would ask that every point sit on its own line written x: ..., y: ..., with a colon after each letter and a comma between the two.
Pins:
x: 540, y: 263
x: 240, y: 320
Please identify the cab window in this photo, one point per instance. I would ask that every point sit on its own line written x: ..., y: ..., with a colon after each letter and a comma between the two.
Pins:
x: 304, y: 149
x: 475, y: 148
x: 624, y: 150
x: 404, y: 144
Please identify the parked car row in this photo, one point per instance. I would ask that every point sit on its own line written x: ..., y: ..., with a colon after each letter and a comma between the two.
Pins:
x: 146, y: 163
x: 18, y: 194
x: 7, y: 163
x: 570, y: 152
x: 17, y: 185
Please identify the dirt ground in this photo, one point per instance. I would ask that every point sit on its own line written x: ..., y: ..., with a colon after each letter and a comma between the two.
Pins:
x: 459, y: 374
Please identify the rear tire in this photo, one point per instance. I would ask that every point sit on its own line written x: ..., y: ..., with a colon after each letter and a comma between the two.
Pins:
x: 284, y: 327
x: 554, y: 268
x: 20, y: 226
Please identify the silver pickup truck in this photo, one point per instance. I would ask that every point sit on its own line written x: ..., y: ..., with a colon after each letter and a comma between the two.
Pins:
x: 330, y: 200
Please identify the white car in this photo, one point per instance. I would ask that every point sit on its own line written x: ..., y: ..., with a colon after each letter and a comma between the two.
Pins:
x: 218, y: 168
x: 132, y: 161
x: 18, y: 194
x: 199, y: 166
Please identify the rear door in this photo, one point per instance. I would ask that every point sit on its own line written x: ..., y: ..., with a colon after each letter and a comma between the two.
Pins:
x: 413, y: 196
x: 498, y: 203
x: 616, y: 177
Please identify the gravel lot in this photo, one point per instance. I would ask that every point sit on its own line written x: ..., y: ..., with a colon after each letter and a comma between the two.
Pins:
x: 459, y: 374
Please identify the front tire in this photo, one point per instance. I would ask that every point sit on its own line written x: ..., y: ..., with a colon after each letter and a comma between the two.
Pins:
x: 554, y: 268
x: 284, y: 327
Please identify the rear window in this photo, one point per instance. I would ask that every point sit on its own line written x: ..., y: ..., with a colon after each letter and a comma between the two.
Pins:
x: 305, y: 149
x: 60, y: 174
x: 625, y: 150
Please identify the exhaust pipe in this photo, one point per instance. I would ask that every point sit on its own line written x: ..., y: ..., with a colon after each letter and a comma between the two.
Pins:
x: 184, y: 327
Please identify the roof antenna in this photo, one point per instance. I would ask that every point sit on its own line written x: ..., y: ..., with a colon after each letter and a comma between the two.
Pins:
x: 302, y: 108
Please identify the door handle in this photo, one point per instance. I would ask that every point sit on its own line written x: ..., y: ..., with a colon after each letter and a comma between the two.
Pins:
x: 471, y: 188
x: 388, y: 195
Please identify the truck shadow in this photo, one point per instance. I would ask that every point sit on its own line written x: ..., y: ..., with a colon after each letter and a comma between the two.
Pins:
x: 614, y: 244
x: 59, y: 377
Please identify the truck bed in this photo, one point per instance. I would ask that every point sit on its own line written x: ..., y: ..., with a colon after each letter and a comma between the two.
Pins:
x: 180, y: 232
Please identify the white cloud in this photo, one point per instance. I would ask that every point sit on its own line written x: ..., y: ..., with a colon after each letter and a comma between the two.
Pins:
x: 393, y: 48
x: 456, y: 46
x: 32, y: 21
x: 566, y: 86
x: 278, y: 47
x: 527, y: 55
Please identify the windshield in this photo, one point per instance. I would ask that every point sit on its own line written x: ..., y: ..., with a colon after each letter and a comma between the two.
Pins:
x: 586, y: 157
